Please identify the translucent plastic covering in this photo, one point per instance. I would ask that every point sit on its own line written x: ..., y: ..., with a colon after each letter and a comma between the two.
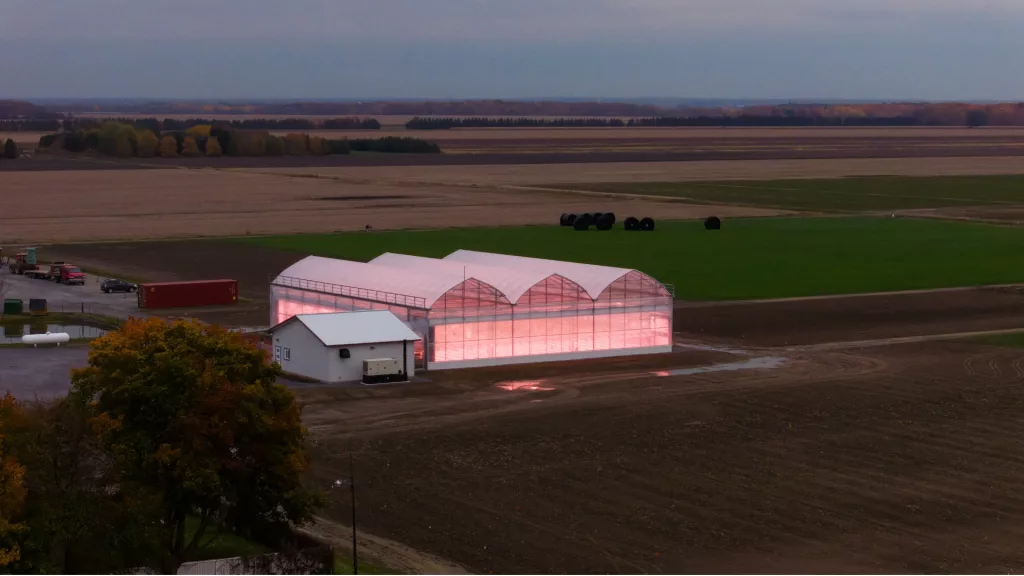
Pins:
x: 499, y: 308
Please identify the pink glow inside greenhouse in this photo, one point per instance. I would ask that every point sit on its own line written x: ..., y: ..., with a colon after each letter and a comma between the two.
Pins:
x: 483, y: 309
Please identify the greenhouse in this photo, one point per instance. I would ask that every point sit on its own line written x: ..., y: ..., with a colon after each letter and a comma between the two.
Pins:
x: 483, y: 309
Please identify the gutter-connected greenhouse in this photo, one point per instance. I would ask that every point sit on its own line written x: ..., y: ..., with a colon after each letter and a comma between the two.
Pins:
x: 482, y: 309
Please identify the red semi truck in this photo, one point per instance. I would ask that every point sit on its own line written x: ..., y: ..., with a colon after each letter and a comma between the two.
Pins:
x: 184, y: 294
x: 56, y: 271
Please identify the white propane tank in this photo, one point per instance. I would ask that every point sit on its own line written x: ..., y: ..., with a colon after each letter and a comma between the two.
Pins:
x: 48, y: 338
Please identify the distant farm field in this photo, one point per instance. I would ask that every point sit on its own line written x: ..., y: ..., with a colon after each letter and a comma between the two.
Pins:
x: 841, y: 194
x: 748, y: 259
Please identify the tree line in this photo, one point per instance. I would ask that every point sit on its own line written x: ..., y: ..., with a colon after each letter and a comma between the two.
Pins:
x: 148, y: 141
x: 169, y: 124
x: 448, y: 123
x: 419, y: 123
x: 174, y: 433
x: 774, y: 121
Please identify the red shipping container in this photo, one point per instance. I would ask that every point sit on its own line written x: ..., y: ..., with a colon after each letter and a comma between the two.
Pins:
x: 181, y: 294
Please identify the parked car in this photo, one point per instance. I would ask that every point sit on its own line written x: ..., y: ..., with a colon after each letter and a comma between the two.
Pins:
x: 114, y: 285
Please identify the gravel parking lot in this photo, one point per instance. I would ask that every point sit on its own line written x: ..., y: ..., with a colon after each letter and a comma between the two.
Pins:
x: 61, y: 298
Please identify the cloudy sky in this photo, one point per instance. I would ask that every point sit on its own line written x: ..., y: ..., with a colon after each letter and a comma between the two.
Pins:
x: 897, y: 49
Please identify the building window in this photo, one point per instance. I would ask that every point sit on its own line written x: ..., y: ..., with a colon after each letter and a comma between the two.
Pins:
x: 287, y: 354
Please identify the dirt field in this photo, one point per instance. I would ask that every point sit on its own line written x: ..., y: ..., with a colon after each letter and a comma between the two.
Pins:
x: 852, y: 318
x: 497, y: 175
x: 892, y: 460
x: 123, y: 204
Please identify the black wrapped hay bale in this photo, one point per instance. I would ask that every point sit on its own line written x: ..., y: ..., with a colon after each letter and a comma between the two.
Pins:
x: 563, y: 219
x: 631, y: 224
x: 581, y: 224
x: 587, y: 218
x: 611, y: 217
x: 713, y: 223
x: 647, y: 224
x: 605, y: 222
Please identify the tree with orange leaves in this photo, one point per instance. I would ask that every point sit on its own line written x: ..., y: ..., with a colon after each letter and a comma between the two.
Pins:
x: 193, y: 412
x: 12, y: 490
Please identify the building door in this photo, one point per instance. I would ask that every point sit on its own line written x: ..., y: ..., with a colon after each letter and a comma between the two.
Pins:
x: 277, y: 354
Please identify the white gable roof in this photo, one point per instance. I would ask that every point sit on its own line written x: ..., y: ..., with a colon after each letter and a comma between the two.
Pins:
x: 350, y: 328
x: 512, y: 282
x: 594, y: 279
x: 349, y: 278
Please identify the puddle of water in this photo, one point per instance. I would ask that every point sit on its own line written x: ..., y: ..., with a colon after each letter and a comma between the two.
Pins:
x: 766, y: 362
x: 525, y: 385
x: 12, y: 334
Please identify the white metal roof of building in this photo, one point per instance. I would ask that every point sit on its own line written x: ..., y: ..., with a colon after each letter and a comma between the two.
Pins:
x: 425, y: 280
x: 594, y: 279
x: 351, y: 328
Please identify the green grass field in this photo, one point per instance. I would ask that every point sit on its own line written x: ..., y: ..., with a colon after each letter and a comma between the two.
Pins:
x: 747, y: 259
x: 836, y: 195
x: 1014, y: 340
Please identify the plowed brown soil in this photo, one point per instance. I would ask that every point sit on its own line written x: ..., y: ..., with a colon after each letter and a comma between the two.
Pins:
x: 891, y: 460
x: 852, y: 318
x: 130, y: 204
x: 674, y: 171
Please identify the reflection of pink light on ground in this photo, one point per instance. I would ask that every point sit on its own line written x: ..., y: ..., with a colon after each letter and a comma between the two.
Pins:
x: 529, y: 385
x: 661, y: 373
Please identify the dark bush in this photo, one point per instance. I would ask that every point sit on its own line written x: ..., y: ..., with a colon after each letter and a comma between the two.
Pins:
x: 337, y: 147
x: 74, y: 141
x: 396, y: 144
x: 223, y: 134
x: 10, y: 149
x: 712, y: 223
x: 47, y: 141
x: 275, y: 146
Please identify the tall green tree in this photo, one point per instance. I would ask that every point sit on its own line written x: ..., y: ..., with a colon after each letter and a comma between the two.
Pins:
x: 193, y: 413
x: 79, y: 516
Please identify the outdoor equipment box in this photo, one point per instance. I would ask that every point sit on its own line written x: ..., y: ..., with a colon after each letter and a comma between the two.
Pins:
x: 37, y: 306
x: 13, y: 306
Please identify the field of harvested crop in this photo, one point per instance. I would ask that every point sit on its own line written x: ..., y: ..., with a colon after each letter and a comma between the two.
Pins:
x: 61, y: 206
x: 888, y: 459
x: 628, y: 172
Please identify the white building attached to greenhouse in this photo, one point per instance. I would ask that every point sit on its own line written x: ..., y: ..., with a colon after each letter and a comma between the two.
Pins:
x: 482, y: 309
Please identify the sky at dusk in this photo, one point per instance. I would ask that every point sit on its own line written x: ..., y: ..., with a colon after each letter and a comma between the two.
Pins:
x: 380, y: 49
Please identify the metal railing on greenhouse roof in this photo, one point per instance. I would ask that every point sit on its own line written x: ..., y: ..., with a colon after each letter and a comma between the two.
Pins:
x: 350, y: 291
